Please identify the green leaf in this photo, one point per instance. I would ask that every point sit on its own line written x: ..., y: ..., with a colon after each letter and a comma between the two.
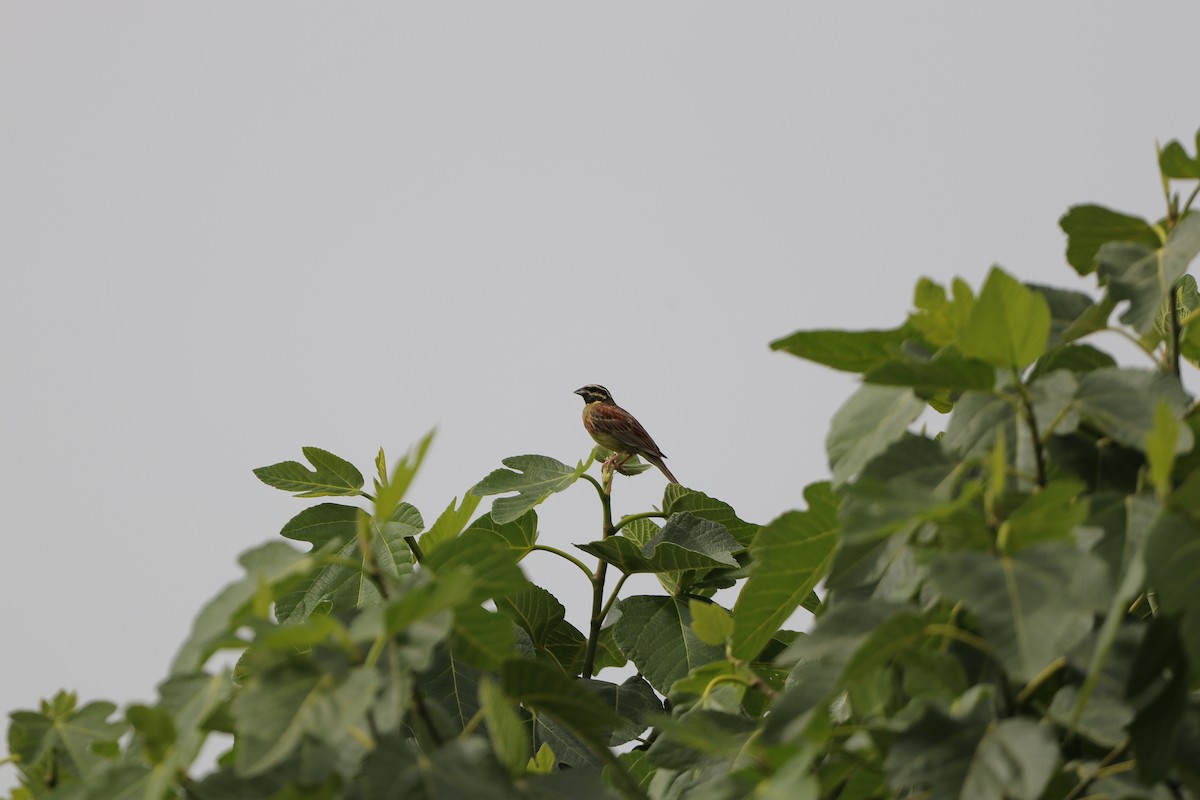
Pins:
x: 270, y: 564
x: 450, y: 523
x: 155, y: 729
x: 1076, y: 358
x: 1174, y: 161
x: 711, y: 623
x: 390, y: 491
x: 452, y: 687
x: 685, y: 542
x: 633, y: 702
x: 484, y: 639
x: 676, y: 498
x: 1067, y: 310
x: 939, y: 319
x: 849, y: 351
x: 1161, y: 443
x: 950, y: 759
x: 656, y: 633
x: 506, y: 732
x: 866, y: 425
x: 519, y: 535
x: 1173, y: 571
x: 1145, y: 276
x: 330, y: 476
x: 1033, y: 606
x: 947, y: 370
x: 906, y: 484
x: 60, y: 740
x: 1088, y: 227
x: 789, y: 557
x: 278, y: 707
x: 540, y: 615
x: 1050, y: 515
x: 533, y: 478
x: 487, y: 556
x: 1009, y: 325
x: 1122, y: 402
x: 544, y: 690
x: 322, y: 524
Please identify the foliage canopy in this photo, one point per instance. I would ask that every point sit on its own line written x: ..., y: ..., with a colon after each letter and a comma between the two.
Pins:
x: 1007, y: 609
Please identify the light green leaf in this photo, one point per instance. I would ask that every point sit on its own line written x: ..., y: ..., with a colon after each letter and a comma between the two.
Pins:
x: 939, y: 319
x: 1088, y: 227
x: 389, y: 492
x: 849, y: 351
x: 711, y: 623
x: 330, y: 476
x: 1161, y: 444
x: 789, y: 557
x: 519, y: 535
x: 450, y: 523
x: 685, y: 542
x: 866, y: 425
x: 656, y: 633
x: 506, y: 732
x: 1009, y: 325
x: 1033, y: 606
x: 533, y: 478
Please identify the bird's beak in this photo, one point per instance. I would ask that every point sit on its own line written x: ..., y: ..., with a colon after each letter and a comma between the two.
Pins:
x: 578, y: 392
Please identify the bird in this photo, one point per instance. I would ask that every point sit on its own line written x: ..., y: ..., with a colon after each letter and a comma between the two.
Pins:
x: 617, y: 430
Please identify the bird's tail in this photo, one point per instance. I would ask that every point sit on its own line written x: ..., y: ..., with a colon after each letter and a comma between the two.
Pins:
x: 658, y: 462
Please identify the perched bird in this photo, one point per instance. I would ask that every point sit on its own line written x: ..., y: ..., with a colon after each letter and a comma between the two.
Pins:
x: 615, y: 429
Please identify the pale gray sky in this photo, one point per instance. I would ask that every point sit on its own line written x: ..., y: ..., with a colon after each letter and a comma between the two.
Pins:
x: 228, y: 230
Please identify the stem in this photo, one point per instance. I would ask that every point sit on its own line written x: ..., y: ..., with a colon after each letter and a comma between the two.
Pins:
x: 1112, y: 756
x: 589, y: 657
x: 1173, y: 345
x: 1039, y: 456
x: 561, y: 554
x: 1037, y: 680
x: 1133, y: 340
x: 411, y: 541
x: 612, y: 598
x: 367, y: 495
x: 951, y: 632
x: 1191, y: 197
x: 625, y: 520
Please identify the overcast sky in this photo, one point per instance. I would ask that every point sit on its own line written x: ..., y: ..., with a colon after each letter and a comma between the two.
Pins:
x: 228, y: 230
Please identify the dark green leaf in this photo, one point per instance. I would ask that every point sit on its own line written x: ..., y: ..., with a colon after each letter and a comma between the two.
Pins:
x: 1033, y: 606
x: 1050, y: 515
x: 1088, y: 227
x: 1174, y: 161
x: 544, y: 690
x: 533, y: 478
x: 676, y: 498
x: 1173, y: 570
x: 656, y: 634
x: 632, y: 702
x: 946, y: 370
x: 685, y: 542
x: 849, y: 351
x: 322, y: 524
x: 330, y: 476
x: 1145, y: 275
x: 489, y: 558
x: 789, y: 557
x: 1121, y: 403
x: 484, y: 639
x: 60, y: 740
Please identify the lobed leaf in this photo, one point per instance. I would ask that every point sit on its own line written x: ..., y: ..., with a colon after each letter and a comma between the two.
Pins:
x: 330, y: 476
x: 533, y: 478
x: 1089, y: 227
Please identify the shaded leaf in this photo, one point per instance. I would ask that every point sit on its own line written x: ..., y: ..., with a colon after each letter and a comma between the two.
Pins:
x: 1145, y: 275
x: 866, y: 425
x: 1088, y: 227
x: 544, y: 690
x: 1032, y: 606
x: 685, y: 542
x: 484, y: 639
x: 1121, y: 402
x: 656, y: 634
x: 1175, y: 162
x: 677, y: 498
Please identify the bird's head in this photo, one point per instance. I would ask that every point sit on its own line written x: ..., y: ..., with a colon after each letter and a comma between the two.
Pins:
x: 594, y: 393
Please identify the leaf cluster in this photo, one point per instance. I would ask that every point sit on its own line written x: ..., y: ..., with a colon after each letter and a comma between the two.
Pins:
x: 1008, y: 608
